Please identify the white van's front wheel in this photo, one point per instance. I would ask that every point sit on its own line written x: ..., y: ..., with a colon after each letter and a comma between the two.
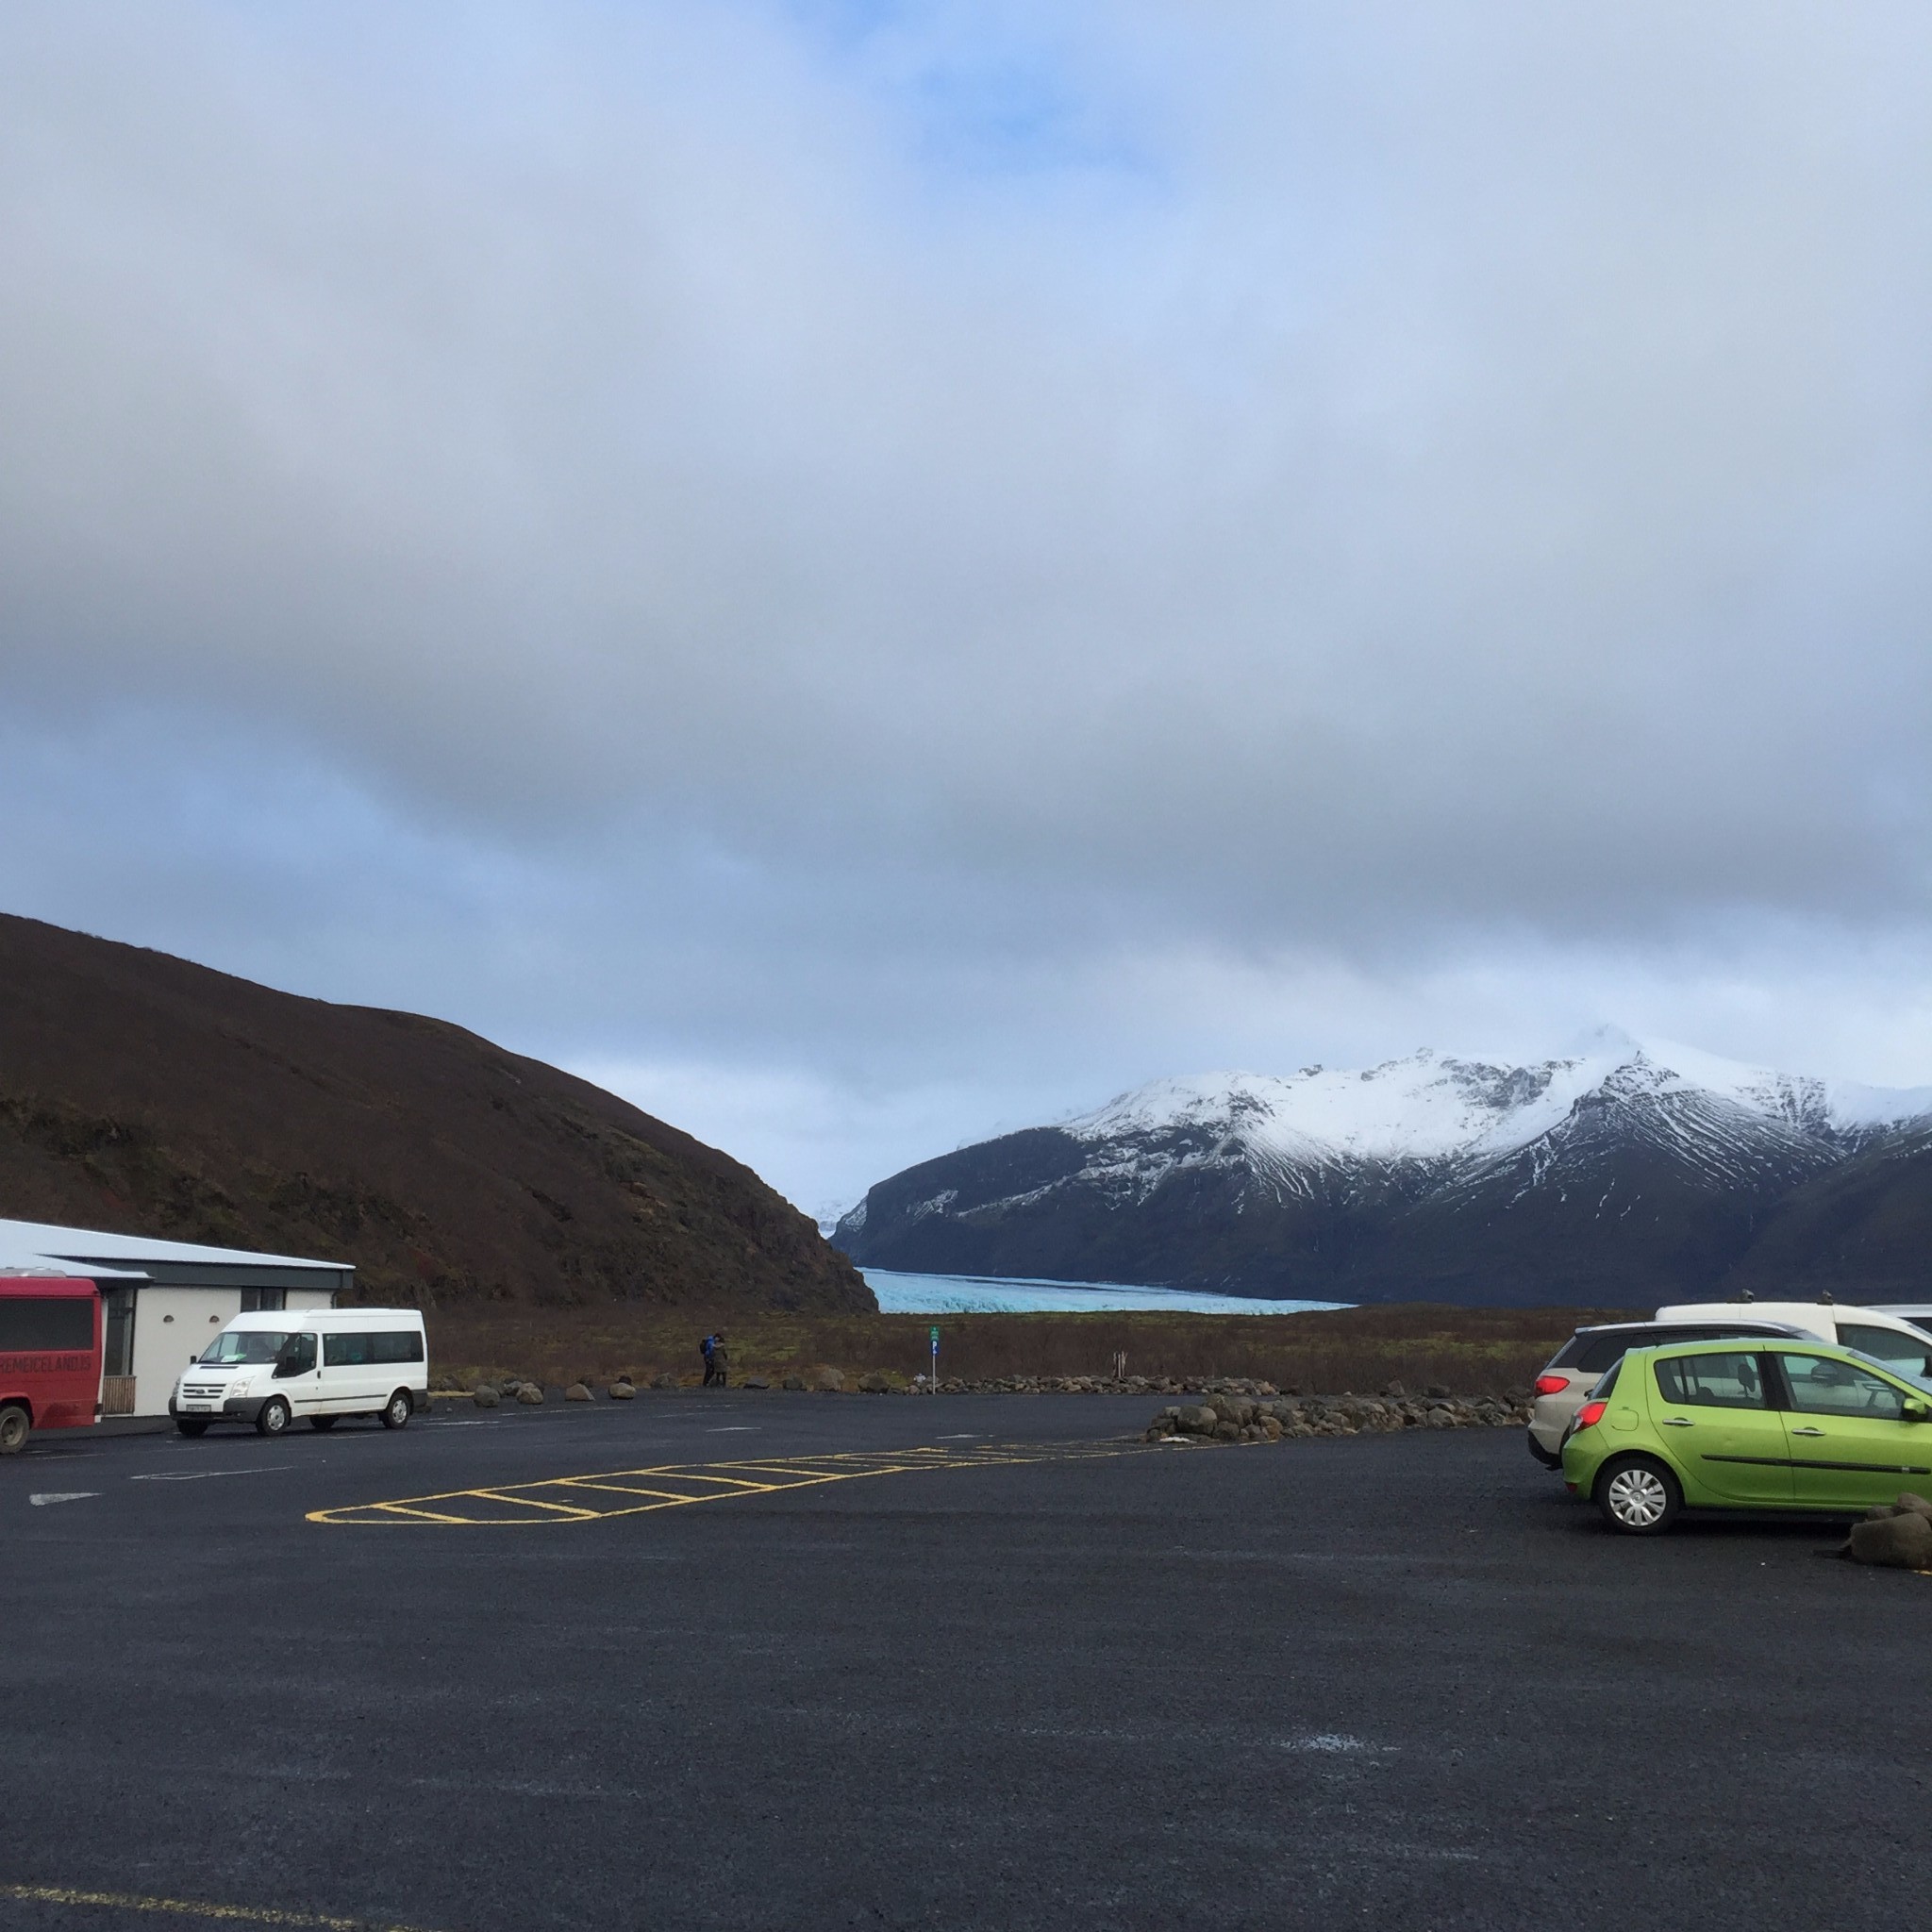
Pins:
x: 273, y: 1418
x: 399, y: 1410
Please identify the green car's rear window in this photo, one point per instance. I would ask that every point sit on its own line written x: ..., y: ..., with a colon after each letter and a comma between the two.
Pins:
x: 1711, y: 1381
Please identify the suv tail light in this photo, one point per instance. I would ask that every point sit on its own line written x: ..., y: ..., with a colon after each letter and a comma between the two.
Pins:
x: 1590, y: 1414
x: 1552, y: 1385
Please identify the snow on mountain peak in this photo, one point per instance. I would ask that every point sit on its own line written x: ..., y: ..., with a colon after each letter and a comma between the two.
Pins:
x: 1430, y: 1106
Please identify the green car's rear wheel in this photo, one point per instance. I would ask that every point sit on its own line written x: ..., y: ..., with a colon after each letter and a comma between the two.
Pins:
x: 1638, y: 1495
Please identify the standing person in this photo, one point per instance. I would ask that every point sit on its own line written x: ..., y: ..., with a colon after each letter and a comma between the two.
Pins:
x: 718, y: 1359
x: 705, y: 1348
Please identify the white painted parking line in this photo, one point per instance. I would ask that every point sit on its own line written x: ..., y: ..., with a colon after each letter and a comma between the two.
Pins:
x: 201, y: 1476
x: 47, y: 1496
x: 968, y: 1437
x: 734, y: 1429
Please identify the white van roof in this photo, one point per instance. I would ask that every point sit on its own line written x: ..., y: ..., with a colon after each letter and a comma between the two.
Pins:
x: 1815, y: 1318
x: 324, y: 1318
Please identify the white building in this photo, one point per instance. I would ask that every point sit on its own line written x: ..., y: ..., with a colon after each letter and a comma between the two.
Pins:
x: 164, y: 1299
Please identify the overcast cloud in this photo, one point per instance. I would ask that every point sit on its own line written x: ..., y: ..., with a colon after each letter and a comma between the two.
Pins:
x: 870, y: 572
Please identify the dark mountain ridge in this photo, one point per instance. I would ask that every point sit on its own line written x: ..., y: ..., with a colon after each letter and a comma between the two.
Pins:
x: 1631, y: 1176
x: 141, y: 1093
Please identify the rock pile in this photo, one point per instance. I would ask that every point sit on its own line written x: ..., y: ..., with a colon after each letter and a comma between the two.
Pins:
x: 1897, y: 1536
x: 1065, y: 1384
x: 1154, y: 1385
x: 1227, y: 1417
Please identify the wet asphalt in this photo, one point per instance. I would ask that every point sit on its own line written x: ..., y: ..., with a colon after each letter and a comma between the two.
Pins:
x: 1382, y: 1680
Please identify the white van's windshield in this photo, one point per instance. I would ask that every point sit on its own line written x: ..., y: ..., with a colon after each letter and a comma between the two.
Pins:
x: 260, y: 1345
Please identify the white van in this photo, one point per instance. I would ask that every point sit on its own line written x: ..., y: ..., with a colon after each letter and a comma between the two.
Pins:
x: 1878, y: 1332
x: 318, y: 1364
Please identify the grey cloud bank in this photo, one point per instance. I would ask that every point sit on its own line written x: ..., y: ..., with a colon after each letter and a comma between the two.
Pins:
x: 878, y: 574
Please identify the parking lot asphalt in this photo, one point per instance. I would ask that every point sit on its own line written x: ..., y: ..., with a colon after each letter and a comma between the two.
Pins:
x: 1383, y: 1679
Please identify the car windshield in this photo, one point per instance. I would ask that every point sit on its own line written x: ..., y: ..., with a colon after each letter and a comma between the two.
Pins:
x: 259, y: 1345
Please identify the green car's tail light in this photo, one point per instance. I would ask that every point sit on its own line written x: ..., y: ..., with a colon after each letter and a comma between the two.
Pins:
x: 1552, y: 1385
x: 1590, y: 1414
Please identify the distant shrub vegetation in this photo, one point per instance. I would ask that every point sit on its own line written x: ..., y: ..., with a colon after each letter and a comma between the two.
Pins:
x: 1469, y: 1351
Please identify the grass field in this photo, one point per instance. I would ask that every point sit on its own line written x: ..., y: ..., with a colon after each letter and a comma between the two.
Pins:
x: 1468, y: 1351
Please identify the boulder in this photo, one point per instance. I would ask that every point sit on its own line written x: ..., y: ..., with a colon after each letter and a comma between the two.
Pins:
x: 578, y: 1391
x: 1441, y: 1419
x: 794, y: 1383
x: 873, y: 1382
x: 756, y: 1382
x: 485, y: 1396
x: 827, y: 1381
x: 529, y: 1395
x: 1897, y: 1542
x: 667, y: 1380
x: 622, y: 1392
x: 1916, y: 1504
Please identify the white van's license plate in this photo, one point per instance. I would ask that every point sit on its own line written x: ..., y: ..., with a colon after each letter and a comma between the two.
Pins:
x: 194, y: 1406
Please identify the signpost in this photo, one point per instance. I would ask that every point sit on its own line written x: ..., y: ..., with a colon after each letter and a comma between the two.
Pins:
x: 934, y: 1385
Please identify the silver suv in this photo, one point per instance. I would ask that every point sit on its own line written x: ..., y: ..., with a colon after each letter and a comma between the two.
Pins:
x: 1576, y: 1367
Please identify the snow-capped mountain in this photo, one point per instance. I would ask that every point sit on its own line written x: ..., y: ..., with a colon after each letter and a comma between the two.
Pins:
x: 1622, y: 1174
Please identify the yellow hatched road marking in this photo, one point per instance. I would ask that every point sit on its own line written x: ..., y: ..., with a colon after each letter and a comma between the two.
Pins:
x: 404, y: 1511
x: 648, y: 1488
x: 569, y: 1511
x: 194, y: 1908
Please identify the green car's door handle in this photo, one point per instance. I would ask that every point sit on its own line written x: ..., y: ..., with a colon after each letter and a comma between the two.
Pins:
x: 1807, y: 1432
x: 1678, y: 1421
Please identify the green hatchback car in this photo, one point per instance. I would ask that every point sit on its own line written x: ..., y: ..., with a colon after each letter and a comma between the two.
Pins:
x: 1760, y: 1424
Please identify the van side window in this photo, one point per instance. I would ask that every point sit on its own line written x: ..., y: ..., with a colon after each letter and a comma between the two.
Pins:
x: 1886, y: 1345
x: 297, y: 1357
x: 359, y: 1351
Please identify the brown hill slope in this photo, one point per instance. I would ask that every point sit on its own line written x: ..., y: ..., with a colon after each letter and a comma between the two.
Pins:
x: 141, y: 1092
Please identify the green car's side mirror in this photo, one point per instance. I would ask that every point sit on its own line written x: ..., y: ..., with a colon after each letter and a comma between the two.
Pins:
x: 1916, y: 1411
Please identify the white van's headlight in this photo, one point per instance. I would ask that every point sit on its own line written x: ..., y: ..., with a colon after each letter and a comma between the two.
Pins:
x: 239, y: 1386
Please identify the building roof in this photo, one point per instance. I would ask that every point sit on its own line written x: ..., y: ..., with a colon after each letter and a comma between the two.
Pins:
x: 39, y: 1247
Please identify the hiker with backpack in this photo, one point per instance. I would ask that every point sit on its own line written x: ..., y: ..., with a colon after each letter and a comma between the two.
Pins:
x: 713, y: 1349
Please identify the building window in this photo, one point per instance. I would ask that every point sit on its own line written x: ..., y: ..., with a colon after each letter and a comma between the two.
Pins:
x: 255, y: 1299
x: 117, y: 1332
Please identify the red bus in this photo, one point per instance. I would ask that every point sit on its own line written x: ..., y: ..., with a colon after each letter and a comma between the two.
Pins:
x: 50, y: 1355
